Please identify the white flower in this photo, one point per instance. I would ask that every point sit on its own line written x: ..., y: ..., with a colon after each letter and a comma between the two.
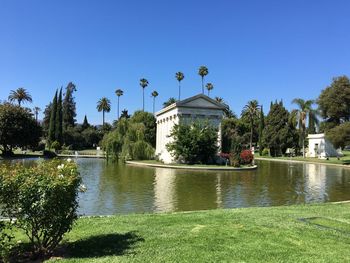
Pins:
x: 61, y: 166
x: 69, y: 160
x: 61, y: 176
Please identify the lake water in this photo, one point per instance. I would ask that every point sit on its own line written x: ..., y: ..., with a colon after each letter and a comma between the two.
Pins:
x: 118, y: 188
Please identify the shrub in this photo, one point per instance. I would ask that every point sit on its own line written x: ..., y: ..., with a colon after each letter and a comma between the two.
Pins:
x: 246, y: 157
x: 195, y: 143
x: 5, y: 241
x: 234, y: 160
x: 265, y: 152
x: 56, y: 145
x: 43, y: 199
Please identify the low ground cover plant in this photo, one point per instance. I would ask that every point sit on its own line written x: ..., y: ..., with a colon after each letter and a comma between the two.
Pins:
x: 41, y: 201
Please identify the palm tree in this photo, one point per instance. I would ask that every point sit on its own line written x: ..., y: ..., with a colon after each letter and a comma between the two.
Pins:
x: 219, y: 99
x: 305, y: 106
x: 36, y: 112
x: 143, y: 84
x: 179, y: 76
x: 251, y: 110
x: 209, y: 87
x: 104, y: 105
x: 119, y: 93
x: 154, y: 95
x: 169, y: 102
x: 20, y: 95
x: 203, y: 71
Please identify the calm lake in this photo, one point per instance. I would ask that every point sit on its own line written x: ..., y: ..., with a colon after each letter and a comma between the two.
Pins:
x: 118, y: 188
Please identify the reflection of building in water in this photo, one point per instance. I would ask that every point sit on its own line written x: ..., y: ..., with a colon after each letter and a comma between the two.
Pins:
x: 315, y: 182
x: 164, y: 190
x: 218, y: 191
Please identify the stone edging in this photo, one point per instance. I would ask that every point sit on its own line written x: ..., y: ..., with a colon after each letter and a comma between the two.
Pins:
x: 298, y: 161
x: 190, y: 167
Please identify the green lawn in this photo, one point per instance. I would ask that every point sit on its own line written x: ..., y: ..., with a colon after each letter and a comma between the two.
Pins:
x: 343, y: 160
x: 307, y: 233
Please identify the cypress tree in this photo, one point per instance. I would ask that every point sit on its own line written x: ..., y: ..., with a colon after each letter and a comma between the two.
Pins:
x: 52, y: 127
x: 85, y: 124
x: 68, y: 107
x: 261, y: 129
x: 58, y: 126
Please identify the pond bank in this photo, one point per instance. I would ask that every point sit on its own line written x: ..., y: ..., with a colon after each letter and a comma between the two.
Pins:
x: 290, y: 160
x: 305, y: 233
x: 191, y: 167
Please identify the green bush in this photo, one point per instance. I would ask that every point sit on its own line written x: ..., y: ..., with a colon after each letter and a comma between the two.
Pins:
x: 196, y: 143
x: 5, y: 241
x: 43, y: 199
x: 56, y: 145
x: 265, y: 152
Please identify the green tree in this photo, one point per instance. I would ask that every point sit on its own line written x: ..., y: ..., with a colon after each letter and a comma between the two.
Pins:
x: 46, y: 119
x: 125, y: 114
x: 179, y: 76
x: 170, y: 101
x: 119, y: 93
x: 36, y: 111
x: 104, y: 105
x: 334, y: 101
x: 251, y: 110
x: 69, y: 106
x: 305, y: 107
x: 313, y: 121
x: 18, y: 128
x: 278, y: 134
x: 154, y: 95
x: 203, y: 71
x: 228, y: 113
x: 149, y: 122
x: 340, y: 135
x: 85, y: 124
x: 233, y: 135
x: 261, y: 129
x: 59, y: 119
x: 195, y: 143
x: 209, y: 87
x: 143, y: 83
x: 20, y: 95
x: 53, y: 116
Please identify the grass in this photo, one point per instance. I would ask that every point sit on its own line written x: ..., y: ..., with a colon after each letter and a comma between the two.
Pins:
x: 333, y: 160
x: 273, y: 234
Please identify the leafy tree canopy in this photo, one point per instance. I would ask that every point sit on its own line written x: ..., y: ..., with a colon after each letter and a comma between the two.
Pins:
x: 18, y: 128
x: 340, y: 135
x: 334, y: 101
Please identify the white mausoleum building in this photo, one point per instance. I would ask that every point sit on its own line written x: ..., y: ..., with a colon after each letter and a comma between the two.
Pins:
x: 199, y: 107
x: 320, y: 147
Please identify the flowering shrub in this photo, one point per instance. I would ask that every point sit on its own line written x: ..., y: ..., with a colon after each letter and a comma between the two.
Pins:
x: 5, y: 241
x: 246, y: 157
x: 43, y: 199
x: 225, y: 155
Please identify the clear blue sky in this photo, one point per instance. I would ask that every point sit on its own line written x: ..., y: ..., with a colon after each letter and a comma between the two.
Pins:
x: 262, y: 50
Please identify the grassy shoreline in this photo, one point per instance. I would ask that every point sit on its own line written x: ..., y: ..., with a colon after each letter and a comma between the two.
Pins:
x: 304, y: 233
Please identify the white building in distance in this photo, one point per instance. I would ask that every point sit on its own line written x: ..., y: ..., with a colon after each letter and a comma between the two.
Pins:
x: 320, y: 147
x: 199, y: 107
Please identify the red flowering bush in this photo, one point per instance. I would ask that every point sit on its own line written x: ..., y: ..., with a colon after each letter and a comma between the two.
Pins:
x: 225, y: 155
x: 246, y: 157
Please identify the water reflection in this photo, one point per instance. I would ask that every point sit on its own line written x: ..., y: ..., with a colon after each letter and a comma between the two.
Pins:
x: 118, y: 188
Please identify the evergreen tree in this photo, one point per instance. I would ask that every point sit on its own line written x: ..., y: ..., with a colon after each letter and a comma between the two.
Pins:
x: 261, y: 129
x: 69, y: 107
x: 58, y: 127
x: 278, y: 134
x: 85, y: 124
x: 46, y: 119
x: 52, y: 127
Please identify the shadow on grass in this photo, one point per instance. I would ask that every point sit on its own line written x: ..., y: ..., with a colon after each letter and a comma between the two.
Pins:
x: 103, y: 245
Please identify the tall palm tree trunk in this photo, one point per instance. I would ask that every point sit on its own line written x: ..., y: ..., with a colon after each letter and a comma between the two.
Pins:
x: 251, y: 135
x: 179, y: 90
x: 118, y: 108
x: 143, y: 99
x: 202, y: 85
x: 154, y: 102
x: 103, y: 118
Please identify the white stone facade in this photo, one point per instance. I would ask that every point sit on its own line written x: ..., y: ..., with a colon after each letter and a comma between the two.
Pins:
x: 320, y: 147
x: 198, y: 107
